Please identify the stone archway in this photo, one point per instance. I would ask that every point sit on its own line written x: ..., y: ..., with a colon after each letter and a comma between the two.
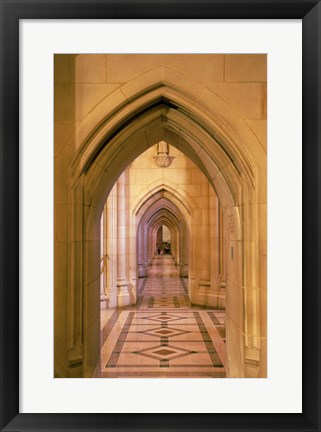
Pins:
x: 177, y: 216
x: 162, y: 106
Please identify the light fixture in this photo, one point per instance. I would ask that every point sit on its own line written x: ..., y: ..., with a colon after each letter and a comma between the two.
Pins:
x: 163, y: 158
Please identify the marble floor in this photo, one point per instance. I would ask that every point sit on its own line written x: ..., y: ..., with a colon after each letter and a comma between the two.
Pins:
x: 163, y: 335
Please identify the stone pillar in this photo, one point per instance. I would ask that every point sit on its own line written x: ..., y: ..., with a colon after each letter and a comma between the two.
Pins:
x: 148, y: 246
x: 175, y: 246
x: 141, y: 251
x: 217, y: 291
x: 182, y: 240
x: 222, y: 257
x: 133, y: 257
x: 203, y: 260
x: 111, y: 288
x: 159, y: 238
x: 235, y: 294
x: 200, y: 285
x: 103, y: 259
x: 123, y: 295
x: 203, y: 252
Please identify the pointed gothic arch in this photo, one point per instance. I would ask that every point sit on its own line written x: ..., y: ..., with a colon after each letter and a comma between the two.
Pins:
x: 158, y: 106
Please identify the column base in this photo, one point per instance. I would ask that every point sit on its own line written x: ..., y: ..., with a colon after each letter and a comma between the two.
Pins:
x: 104, y: 302
x: 123, y: 296
x: 202, y: 294
x: 209, y: 298
x: 183, y: 270
x: 142, y: 269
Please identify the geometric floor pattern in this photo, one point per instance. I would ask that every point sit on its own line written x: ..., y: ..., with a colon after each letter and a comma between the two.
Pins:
x: 163, y: 336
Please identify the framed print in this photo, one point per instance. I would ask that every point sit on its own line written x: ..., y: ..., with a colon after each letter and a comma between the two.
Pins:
x: 156, y: 199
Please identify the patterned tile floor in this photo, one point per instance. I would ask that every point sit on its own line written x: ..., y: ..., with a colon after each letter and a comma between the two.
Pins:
x: 163, y: 336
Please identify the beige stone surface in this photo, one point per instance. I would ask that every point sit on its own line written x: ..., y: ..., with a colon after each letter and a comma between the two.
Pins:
x: 246, y: 67
x: 90, y: 68
x: 84, y: 68
x: 215, y: 106
x: 125, y: 67
x: 247, y: 100
x: 87, y: 96
x: 62, y: 131
x: 64, y: 107
x: 64, y: 68
x: 122, y: 68
x: 209, y: 68
x: 152, y: 78
x: 259, y: 128
x: 61, y: 166
x: 235, y: 304
x: 234, y: 350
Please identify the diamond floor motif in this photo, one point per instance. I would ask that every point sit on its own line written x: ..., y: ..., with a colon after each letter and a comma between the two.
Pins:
x: 163, y: 318
x: 164, y: 332
x: 173, y: 340
x: 168, y: 353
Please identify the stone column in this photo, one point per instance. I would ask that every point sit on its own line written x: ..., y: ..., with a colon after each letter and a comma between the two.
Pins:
x: 203, y: 252
x: 122, y: 255
x: 103, y: 259
x: 111, y: 289
x: 159, y: 238
x: 141, y: 258
x: 217, y: 291
x: 200, y: 266
x: 183, y: 252
x: 144, y: 243
x: 222, y: 256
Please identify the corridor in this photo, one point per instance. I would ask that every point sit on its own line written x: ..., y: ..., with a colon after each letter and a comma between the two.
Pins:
x: 160, y: 153
x: 163, y: 336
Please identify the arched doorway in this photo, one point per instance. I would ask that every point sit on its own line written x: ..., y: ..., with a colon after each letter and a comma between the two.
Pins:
x: 203, y: 128
x: 166, y: 239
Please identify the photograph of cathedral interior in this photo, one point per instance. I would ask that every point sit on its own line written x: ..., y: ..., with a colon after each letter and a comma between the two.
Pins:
x: 160, y: 208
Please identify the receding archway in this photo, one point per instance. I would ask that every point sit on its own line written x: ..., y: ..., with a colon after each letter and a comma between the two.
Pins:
x: 159, y: 205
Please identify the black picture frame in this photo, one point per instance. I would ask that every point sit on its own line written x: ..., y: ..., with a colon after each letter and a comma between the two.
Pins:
x: 11, y: 12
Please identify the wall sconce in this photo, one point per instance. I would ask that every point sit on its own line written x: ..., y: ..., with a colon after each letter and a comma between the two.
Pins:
x: 163, y: 158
